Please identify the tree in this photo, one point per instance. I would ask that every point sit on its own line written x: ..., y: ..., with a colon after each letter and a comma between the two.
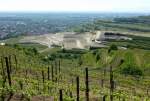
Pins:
x: 112, y: 47
x: 35, y: 51
x: 131, y: 70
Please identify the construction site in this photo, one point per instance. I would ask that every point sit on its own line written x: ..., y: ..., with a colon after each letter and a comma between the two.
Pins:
x: 70, y: 40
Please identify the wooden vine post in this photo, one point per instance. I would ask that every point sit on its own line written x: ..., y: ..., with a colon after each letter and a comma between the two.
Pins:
x: 111, y: 84
x: 3, y: 69
x: 87, y: 84
x: 43, y: 76
x: 10, y: 66
x: 59, y: 66
x: 48, y: 73
x: 78, y: 89
x: 104, y: 98
x: 52, y: 72
x: 60, y: 95
x: 43, y: 80
x: 8, y: 71
x: 56, y: 71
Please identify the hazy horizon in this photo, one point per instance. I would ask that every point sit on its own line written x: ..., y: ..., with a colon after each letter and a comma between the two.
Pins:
x: 73, y: 6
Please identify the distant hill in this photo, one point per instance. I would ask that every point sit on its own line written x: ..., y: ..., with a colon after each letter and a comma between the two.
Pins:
x: 139, y: 19
x: 138, y: 24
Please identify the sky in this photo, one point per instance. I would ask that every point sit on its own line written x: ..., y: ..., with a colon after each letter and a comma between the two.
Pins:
x: 75, y: 6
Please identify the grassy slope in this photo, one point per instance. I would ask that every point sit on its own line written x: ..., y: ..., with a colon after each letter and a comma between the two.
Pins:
x: 12, y: 40
x: 96, y: 60
x: 16, y: 40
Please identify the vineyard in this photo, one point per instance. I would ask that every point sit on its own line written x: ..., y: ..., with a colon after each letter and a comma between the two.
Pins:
x: 74, y: 75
